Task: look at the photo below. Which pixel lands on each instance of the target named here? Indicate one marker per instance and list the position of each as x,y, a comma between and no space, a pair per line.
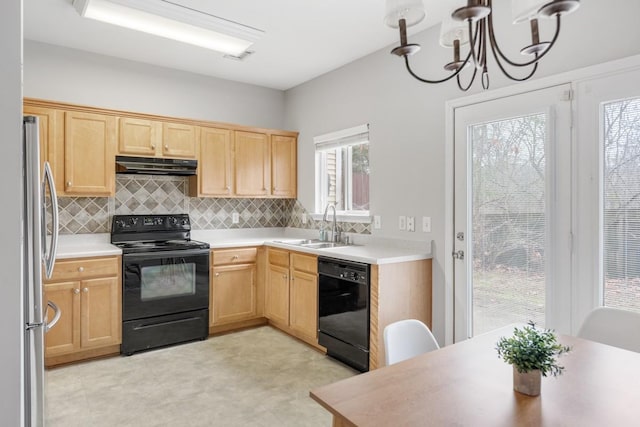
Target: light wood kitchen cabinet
252,164
51,141
178,140
139,137
151,138
237,288
215,166
277,294
89,159
283,166
303,315
233,286
292,294
88,293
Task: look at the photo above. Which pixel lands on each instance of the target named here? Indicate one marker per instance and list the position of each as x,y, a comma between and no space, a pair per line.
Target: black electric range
165,281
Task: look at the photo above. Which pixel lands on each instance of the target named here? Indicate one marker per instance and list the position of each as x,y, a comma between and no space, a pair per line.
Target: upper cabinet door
178,140
252,164
139,137
215,166
51,141
283,166
89,156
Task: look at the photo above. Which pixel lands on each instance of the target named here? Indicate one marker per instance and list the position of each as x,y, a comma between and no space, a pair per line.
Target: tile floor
256,377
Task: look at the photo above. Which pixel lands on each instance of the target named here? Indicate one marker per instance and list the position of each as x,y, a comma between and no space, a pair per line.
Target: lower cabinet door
64,337
100,315
304,304
277,294
233,293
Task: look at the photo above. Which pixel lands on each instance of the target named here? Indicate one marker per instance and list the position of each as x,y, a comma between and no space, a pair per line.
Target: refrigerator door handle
50,258
56,316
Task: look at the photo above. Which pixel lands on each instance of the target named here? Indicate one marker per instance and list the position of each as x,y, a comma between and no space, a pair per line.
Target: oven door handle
185,253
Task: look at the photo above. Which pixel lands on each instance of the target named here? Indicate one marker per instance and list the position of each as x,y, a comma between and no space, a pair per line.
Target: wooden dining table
466,384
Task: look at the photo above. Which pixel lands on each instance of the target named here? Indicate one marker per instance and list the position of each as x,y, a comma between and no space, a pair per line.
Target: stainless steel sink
312,243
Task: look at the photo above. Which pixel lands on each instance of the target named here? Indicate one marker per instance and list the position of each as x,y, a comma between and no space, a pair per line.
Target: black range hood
155,166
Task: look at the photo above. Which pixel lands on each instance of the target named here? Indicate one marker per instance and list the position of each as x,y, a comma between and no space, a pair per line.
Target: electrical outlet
402,222
304,218
426,224
235,217
410,224
377,222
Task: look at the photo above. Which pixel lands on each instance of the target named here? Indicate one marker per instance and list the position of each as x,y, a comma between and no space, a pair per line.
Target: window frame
343,139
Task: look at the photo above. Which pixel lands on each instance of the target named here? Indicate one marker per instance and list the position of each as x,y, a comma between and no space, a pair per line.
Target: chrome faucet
335,231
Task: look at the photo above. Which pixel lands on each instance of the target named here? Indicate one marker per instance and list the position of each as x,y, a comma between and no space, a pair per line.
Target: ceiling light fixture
473,24
173,21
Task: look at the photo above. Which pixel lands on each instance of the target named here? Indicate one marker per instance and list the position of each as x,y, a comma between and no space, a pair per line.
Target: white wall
11,331
62,74
407,118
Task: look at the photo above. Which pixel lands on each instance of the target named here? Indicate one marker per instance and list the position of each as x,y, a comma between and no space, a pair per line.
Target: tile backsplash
143,194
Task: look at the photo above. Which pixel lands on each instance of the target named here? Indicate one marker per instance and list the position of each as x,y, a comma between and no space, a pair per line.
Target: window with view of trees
621,140
342,171
509,222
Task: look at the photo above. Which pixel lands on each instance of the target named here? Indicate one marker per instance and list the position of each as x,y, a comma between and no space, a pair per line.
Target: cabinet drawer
279,257
82,268
304,263
234,256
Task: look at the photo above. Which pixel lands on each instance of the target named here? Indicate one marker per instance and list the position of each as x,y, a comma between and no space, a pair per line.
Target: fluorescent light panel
165,19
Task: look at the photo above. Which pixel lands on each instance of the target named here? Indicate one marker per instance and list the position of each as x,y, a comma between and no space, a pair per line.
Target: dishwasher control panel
346,270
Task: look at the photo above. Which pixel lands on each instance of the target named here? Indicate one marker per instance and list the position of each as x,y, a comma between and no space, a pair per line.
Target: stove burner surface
161,245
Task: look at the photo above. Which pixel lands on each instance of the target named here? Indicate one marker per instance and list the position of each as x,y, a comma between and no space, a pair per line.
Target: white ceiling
303,38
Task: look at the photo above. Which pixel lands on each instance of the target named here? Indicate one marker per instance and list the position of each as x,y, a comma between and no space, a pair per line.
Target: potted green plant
533,353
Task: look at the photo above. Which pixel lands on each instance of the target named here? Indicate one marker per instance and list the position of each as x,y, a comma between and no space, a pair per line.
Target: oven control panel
145,223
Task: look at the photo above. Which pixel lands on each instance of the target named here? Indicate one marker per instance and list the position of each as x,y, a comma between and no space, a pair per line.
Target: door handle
56,316
458,255
50,258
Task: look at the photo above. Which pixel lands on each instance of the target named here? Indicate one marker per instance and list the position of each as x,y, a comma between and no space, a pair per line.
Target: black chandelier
473,25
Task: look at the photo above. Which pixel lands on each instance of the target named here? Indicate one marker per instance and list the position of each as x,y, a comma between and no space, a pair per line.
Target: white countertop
85,245
367,249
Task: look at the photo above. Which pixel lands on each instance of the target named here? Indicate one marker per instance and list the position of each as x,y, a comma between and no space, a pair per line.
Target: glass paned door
512,171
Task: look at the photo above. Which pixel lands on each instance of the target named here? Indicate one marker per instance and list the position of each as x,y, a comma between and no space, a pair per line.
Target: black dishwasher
343,310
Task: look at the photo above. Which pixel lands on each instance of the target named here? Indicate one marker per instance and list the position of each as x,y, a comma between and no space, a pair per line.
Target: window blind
343,138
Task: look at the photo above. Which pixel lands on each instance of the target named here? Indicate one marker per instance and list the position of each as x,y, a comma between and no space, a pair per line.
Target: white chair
406,339
612,326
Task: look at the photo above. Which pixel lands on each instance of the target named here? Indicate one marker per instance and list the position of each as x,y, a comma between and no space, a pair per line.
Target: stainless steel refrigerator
39,252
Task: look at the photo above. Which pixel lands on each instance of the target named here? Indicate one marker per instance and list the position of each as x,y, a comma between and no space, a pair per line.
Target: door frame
570,77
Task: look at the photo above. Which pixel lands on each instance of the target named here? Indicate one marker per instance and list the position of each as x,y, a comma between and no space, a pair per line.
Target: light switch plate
304,218
235,217
377,222
402,222
426,224
410,224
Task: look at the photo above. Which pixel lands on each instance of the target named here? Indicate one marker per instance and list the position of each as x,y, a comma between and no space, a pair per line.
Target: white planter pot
528,382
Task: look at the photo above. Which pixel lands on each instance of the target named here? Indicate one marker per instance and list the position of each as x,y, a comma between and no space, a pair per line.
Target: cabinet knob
284,276
68,183
166,147
228,188
85,290
80,269
76,291
235,257
216,274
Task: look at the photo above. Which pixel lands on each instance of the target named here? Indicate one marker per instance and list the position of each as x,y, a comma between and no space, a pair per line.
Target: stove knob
133,221
173,220
185,221
120,223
